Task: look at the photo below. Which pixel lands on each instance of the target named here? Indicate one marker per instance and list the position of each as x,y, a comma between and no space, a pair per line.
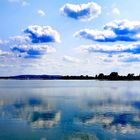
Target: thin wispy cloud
32,51
22,2
112,49
1,41
4,53
70,59
123,58
116,11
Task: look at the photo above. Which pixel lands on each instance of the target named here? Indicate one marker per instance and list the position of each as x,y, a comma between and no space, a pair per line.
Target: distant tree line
101,76
116,76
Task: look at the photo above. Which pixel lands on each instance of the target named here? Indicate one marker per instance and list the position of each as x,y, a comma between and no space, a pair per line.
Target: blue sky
69,37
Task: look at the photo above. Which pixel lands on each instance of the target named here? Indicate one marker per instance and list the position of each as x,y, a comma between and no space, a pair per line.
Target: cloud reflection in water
38,113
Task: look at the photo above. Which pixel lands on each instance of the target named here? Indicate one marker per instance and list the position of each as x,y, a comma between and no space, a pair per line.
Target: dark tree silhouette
114,75
101,76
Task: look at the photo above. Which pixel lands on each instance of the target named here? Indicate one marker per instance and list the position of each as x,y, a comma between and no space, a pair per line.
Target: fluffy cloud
41,13
70,59
32,51
33,43
118,30
83,12
96,35
114,49
42,34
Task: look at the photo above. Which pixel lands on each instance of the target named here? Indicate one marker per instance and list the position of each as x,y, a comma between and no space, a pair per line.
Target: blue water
69,110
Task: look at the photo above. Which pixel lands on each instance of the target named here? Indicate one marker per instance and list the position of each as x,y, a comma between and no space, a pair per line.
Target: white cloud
129,58
96,35
33,43
123,58
83,12
113,49
115,11
18,40
22,2
3,42
4,53
42,34
41,13
70,59
32,51
117,30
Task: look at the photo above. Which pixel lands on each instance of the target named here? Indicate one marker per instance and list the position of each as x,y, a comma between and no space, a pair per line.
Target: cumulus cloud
96,35
114,49
34,43
117,30
42,34
70,59
83,12
32,51
41,13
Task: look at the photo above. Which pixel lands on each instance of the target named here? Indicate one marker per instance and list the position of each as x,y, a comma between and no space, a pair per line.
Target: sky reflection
73,112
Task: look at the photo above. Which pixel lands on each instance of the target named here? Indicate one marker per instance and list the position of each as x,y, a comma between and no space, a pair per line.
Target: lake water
69,110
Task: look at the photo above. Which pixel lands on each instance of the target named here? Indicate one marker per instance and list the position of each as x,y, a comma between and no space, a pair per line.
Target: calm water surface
69,110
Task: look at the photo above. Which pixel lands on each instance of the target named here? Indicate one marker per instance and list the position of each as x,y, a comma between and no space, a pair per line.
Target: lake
69,110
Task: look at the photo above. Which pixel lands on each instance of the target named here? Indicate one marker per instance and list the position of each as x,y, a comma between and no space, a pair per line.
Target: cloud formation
4,53
123,57
34,43
129,58
116,11
70,59
42,34
114,49
117,30
41,13
83,12
96,35
32,51
22,2
18,40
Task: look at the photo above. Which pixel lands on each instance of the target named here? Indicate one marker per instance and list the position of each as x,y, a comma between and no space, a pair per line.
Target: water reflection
116,116
80,136
45,119
70,110
39,114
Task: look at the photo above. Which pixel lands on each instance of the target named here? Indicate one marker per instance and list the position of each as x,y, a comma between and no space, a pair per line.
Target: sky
69,37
